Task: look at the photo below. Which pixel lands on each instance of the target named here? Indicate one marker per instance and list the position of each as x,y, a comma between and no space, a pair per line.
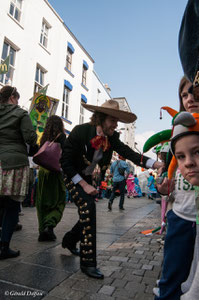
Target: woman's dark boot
6,252
47,235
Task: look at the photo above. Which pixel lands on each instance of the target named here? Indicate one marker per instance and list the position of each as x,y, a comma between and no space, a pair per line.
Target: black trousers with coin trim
85,229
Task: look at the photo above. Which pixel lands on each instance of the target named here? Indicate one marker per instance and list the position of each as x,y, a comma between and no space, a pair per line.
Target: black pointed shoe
6,252
72,248
92,272
74,251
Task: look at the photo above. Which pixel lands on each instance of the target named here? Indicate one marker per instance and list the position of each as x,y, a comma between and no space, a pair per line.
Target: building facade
43,51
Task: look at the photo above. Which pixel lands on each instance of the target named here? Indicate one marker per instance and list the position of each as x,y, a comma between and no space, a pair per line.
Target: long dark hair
54,126
6,92
98,118
182,84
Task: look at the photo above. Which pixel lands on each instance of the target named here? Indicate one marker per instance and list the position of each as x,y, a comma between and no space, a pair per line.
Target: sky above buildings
134,44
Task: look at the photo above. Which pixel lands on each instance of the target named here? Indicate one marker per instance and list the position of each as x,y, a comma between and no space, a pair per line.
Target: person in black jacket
16,133
87,145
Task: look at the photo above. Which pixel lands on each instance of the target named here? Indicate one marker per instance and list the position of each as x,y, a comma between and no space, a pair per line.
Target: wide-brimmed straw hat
111,108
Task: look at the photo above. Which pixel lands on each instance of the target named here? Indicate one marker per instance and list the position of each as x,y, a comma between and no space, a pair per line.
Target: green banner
42,107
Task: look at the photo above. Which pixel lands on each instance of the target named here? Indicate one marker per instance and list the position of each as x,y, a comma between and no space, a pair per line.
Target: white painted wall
25,37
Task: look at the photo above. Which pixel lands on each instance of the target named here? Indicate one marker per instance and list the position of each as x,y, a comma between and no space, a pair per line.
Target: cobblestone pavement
130,261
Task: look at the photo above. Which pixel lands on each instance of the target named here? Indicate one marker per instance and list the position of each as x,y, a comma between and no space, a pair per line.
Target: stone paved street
130,261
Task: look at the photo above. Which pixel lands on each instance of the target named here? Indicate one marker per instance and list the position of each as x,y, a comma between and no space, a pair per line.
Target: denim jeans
121,186
178,255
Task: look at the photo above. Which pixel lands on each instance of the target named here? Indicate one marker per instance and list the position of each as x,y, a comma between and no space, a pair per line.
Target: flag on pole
4,66
43,90
151,231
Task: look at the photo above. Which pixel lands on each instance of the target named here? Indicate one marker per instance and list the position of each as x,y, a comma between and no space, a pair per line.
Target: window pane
65,103
41,77
41,37
44,35
37,75
66,111
36,88
9,76
62,113
8,50
11,9
17,14
5,51
1,77
64,94
45,42
67,96
84,77
12,56
46,30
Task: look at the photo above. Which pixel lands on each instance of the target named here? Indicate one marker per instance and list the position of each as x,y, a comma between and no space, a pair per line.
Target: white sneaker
156,291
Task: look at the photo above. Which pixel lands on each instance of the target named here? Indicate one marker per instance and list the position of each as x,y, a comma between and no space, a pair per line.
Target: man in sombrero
87,145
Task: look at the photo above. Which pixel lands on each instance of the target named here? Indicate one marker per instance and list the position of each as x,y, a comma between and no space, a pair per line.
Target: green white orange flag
43,90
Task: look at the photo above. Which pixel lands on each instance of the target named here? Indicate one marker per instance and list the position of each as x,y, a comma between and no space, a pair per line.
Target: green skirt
50,198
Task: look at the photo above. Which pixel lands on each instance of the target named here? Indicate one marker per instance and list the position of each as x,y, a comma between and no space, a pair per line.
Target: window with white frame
65,102
8,50
84,73
39,79
15,9
81,115
69,59
44,33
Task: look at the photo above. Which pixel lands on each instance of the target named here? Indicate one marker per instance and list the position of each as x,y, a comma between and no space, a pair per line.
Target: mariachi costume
80,154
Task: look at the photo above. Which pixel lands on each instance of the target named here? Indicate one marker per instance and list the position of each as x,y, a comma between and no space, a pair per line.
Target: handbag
49,156
121,171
